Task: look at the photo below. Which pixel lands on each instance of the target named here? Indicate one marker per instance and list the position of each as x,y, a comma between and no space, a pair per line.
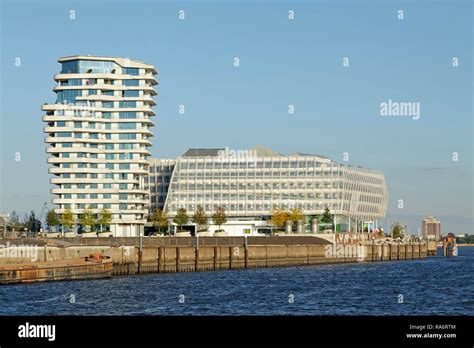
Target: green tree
67,219
181,218
87,219
52,219
200,219
31,223
396,232
219,217
279,217
159,219
104,220
327,217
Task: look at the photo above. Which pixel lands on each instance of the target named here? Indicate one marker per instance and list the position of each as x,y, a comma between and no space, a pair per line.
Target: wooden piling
215,258
196,259
160,252
177,259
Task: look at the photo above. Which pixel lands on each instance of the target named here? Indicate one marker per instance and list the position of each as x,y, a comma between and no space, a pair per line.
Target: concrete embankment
184,254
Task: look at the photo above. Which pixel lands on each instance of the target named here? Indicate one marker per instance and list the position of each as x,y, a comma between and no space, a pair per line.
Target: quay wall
185,254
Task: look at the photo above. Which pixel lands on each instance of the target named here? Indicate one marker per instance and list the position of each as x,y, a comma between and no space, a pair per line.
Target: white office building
250,184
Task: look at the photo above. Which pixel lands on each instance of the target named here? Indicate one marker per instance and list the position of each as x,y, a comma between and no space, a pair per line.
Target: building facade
250,184
98,132
431,229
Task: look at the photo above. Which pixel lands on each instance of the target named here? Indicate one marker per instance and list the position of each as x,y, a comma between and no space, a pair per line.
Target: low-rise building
250,184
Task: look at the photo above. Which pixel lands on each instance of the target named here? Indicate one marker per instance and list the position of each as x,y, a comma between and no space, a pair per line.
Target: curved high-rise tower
98,133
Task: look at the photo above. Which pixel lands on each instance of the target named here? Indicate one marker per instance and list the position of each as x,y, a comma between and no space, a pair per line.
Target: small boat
91,267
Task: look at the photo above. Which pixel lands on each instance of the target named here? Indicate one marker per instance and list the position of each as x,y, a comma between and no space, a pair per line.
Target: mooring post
160,253
373,249
196,254
140,251
177,258
215,258
398,250
246,252
230,257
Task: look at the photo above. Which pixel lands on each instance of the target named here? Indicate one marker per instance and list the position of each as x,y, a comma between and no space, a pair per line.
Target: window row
266,197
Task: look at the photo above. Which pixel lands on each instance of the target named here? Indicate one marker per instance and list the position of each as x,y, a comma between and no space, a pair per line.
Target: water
433,286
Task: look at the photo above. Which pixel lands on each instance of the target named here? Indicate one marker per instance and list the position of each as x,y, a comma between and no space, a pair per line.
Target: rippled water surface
433,286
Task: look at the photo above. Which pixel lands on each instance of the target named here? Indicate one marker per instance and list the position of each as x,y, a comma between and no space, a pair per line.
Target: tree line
160,219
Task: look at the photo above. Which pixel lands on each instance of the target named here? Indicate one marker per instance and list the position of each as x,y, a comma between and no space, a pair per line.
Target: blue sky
282,62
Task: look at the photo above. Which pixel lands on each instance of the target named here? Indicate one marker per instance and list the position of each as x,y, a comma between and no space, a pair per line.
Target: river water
432,286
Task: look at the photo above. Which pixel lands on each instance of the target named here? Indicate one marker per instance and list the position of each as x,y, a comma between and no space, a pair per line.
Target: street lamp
7,217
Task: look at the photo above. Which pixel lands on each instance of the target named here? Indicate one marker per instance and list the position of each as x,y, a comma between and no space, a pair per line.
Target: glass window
131,82
108,105
127,126
87,66
128,114
68,96
130,93
131,71
128,104
126,146
60,124
74,82
126,136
